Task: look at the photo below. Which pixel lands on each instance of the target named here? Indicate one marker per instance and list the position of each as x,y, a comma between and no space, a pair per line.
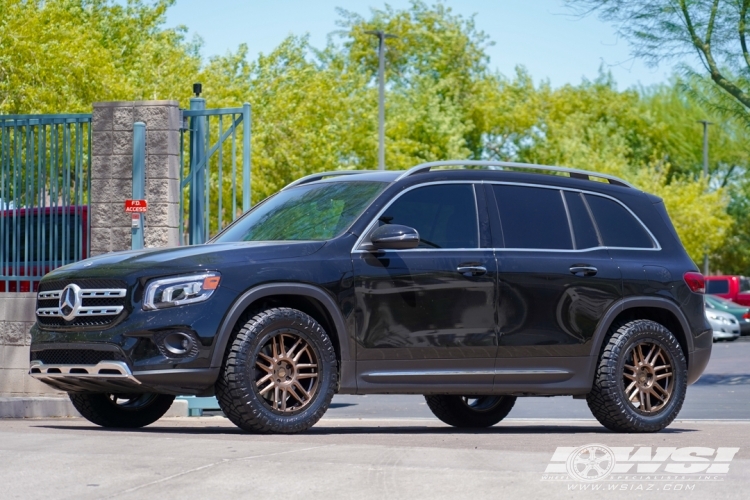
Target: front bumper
721,335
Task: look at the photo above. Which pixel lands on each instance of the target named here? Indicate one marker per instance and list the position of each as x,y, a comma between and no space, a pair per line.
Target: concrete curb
60,408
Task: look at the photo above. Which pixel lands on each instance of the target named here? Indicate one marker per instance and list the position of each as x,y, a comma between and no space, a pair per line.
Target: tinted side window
617,226
533,217
444,215
717,286
583,227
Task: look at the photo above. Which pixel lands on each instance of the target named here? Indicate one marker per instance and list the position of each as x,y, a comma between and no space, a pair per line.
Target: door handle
473,270
585,270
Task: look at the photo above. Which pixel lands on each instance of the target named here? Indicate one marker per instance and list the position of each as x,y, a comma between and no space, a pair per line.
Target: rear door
555,278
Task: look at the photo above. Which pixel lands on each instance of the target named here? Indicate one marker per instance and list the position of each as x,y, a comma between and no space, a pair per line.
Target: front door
427,315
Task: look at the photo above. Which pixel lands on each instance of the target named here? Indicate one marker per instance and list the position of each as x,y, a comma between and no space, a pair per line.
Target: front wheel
279,374
641,379
470,411
126,411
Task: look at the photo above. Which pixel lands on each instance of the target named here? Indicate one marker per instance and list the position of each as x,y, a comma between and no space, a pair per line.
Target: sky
542,35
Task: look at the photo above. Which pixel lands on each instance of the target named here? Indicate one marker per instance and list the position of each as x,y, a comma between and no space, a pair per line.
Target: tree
595,127
62,55
714,31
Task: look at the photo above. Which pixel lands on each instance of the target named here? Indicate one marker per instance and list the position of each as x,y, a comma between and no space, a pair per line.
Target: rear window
744,285
533,218
717,286
617,226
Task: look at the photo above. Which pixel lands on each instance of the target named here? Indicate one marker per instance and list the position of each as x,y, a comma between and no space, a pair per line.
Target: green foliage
62,55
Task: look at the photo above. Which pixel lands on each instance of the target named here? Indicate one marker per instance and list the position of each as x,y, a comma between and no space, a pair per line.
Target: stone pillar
112,173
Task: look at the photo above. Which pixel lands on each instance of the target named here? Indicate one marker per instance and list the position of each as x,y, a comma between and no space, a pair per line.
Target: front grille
74,356
48,286
102,320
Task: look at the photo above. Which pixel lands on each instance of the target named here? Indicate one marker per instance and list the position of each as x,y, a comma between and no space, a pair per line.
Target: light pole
705,123
382,35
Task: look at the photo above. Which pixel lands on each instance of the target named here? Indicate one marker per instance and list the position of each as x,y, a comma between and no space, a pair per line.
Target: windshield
312,212
721,302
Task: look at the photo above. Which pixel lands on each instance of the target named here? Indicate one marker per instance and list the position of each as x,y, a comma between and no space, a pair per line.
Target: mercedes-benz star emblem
70,302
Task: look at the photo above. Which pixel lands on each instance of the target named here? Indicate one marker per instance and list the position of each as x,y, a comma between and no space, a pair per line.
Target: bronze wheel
641,378
287,374
279,374
648,377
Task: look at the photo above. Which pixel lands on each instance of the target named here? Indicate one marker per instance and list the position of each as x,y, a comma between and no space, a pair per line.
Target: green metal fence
215,169
45,177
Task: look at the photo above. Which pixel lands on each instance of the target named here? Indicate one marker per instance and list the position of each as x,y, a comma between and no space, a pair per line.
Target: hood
197,257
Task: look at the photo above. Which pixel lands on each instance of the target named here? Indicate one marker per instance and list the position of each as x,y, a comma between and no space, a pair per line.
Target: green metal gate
45,177
215,169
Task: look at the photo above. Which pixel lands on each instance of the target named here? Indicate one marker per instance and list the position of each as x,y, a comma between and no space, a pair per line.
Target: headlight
716,317
179,291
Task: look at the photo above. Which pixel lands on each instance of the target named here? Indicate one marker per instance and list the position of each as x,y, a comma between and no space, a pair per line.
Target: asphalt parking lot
391,447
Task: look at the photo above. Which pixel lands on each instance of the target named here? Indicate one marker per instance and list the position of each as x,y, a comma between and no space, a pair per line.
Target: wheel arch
657,309
309,299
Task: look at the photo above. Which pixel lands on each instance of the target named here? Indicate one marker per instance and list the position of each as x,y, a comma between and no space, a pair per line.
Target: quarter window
533,217
444,215
617,226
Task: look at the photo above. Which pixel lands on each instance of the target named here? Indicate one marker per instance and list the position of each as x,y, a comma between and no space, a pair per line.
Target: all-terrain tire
608,400
135,410
472,411
237,388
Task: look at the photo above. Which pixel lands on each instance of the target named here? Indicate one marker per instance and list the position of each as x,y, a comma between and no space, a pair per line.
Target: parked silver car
725,325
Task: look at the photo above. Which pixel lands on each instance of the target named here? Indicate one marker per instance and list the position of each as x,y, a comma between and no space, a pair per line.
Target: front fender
347,378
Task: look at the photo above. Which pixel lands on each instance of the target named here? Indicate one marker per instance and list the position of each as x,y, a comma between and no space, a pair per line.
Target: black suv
472,286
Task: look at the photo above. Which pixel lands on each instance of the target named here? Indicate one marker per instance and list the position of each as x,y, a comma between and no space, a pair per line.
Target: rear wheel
641,379
470,411
121,410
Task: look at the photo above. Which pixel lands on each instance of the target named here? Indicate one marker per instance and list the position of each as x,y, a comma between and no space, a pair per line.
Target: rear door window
533,218
617,226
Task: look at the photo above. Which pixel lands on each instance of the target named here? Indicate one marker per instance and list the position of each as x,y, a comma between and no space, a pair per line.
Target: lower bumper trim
103,376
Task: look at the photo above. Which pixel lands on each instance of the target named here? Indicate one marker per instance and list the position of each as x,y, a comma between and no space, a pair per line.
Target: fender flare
630,303
300,289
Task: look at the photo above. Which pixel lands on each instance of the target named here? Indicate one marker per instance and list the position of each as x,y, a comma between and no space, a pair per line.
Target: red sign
136,205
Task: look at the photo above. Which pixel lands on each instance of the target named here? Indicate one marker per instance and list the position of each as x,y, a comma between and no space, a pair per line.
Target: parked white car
724,325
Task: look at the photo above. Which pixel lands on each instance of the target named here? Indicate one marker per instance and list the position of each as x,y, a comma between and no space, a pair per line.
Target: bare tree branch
742,27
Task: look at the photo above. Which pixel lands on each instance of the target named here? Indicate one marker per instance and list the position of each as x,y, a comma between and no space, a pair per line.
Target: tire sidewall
660,337
245,371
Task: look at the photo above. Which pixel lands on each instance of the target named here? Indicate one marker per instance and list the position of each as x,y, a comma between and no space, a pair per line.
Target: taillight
746,316
695,282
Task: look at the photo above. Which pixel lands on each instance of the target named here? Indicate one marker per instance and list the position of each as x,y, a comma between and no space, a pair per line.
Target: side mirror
394,237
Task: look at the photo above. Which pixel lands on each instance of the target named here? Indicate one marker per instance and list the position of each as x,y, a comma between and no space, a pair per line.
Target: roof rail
572,172
323,175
